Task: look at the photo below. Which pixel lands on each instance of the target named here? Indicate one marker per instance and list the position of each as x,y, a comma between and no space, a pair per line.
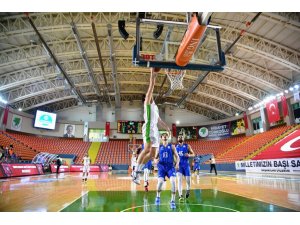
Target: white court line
215,206
82,194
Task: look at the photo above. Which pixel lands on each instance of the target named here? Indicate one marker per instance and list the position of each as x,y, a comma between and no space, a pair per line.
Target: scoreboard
130,127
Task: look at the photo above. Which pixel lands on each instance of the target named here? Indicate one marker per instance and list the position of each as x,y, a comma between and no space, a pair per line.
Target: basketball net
175,77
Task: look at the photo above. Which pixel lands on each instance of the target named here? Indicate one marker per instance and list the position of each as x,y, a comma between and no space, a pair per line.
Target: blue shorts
166,170
148,165
196,167
184,170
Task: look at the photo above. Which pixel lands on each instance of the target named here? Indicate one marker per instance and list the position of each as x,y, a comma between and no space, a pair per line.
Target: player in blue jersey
184,151
197,164
165,155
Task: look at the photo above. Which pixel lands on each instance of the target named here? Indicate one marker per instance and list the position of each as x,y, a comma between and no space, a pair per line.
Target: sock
159,185
179,180
188,182
173,188
146,174
173,195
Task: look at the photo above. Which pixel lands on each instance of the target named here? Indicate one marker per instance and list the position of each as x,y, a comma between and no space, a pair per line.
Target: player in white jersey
150,129
86,167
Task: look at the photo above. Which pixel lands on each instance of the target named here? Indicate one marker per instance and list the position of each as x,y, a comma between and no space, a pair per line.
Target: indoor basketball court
73,88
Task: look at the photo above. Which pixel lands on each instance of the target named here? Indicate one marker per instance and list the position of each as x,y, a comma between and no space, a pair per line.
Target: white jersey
154,114
86,161
150,129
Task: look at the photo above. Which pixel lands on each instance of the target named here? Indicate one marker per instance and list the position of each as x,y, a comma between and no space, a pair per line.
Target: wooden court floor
114,192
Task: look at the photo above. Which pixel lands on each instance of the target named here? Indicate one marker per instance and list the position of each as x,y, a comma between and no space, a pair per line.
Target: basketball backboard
157,43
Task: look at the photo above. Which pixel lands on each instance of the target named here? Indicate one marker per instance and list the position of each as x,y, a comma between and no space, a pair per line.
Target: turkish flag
245,120
284,106
288,147
174,130
107,128
273,111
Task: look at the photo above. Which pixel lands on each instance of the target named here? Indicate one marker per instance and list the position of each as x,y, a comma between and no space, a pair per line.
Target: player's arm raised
176,156
164,125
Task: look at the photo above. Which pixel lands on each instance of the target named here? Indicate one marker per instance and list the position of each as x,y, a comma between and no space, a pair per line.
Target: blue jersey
166,154
197,160
182,150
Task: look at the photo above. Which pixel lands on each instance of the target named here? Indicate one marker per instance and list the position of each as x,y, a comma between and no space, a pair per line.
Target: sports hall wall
97,116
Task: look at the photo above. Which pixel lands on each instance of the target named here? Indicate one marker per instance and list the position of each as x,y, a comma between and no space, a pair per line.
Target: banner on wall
273,111
246,120
237,127
174,132
188,133
107,129
284,106
5,116
69,131
16,122
278,166
97,135
86,131
217,131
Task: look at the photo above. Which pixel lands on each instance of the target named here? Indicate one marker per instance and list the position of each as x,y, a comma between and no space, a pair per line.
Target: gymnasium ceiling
263,62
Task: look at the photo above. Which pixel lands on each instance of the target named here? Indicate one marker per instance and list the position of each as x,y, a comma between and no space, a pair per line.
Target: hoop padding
175,78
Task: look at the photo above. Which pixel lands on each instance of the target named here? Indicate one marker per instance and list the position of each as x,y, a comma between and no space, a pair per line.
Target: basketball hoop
176,77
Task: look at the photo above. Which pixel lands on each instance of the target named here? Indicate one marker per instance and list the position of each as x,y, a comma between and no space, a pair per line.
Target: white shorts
86,169
154,136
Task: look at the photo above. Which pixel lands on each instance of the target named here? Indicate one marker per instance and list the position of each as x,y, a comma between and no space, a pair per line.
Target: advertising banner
217,131
237,127
278,166
78,168
188,133
104,168
15,170
16,122
62,168
1,173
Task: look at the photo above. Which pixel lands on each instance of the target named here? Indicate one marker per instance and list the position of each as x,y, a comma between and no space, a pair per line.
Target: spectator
13,158
6,154
2,152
